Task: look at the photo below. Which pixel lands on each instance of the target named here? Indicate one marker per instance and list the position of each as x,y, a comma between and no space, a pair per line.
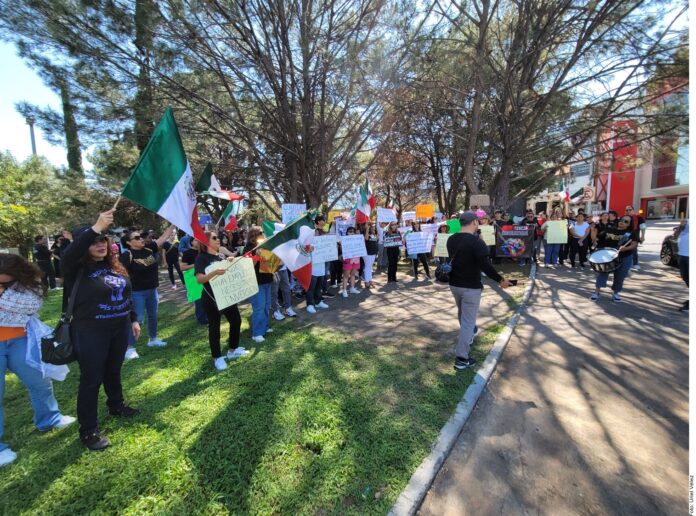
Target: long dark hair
202,248
111,260
27,275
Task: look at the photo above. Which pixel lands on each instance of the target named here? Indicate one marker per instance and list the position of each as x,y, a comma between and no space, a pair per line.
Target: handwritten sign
425,211
325,248
353,246
441,245
386,215
438,215
333,214
556,232
417,243
429,228
480,200
488,234
194,290
408,215
392,240
237,284
343,225
291,211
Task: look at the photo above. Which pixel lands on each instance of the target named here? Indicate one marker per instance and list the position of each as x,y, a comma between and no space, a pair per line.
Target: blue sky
22,83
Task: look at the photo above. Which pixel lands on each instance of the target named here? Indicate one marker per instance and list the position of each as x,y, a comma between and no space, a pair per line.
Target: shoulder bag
58,349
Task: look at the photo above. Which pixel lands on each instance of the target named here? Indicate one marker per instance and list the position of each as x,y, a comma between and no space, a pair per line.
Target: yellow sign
237,284
425,211
556,232
488,234
333,214
441,244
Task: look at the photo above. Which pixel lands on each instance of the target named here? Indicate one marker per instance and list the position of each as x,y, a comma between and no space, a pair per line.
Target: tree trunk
143,109
72,137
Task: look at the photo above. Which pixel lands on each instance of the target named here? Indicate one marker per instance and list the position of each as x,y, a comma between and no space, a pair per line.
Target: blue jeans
13,354
260,310
145,300
551,252
620,275
200,312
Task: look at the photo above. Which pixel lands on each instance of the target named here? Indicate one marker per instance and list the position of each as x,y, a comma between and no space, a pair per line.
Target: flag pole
118,200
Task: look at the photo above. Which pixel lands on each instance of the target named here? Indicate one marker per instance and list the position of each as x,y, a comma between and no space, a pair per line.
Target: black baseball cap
467,217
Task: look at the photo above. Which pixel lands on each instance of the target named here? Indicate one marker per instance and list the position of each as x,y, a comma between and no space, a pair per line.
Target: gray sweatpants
281,281
468,301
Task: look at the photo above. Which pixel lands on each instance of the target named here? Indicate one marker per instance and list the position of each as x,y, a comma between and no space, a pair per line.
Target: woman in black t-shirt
208,256
625,240
171,256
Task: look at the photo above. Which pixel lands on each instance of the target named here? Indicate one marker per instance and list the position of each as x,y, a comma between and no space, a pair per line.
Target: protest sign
417,243
429,228
408,215
343,225
488,234
392,240
194,290
386,215
556,232
425,211
291,211
333,214
441,245
324,249
480,200
454,226
353,246
514,241
237,284
438,215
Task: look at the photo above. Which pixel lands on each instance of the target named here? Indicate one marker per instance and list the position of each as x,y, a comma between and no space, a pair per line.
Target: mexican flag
230,220
565,195
293,246
209,185
365,204
162,182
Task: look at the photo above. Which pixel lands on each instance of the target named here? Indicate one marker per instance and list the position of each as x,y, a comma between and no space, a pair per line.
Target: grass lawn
313,421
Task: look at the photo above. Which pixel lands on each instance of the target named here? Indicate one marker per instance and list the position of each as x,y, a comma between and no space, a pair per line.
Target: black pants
422,258
491,253
48,278
392,261
684,271
170,268
56,267
100,346
575,249
336,272
314,296
214,315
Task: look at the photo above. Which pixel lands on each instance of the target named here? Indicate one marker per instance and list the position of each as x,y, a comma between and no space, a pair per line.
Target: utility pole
30,122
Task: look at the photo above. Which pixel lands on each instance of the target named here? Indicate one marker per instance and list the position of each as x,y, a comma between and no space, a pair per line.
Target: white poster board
343,225
386,215
429,228
441,245
237,284
417,243
488,234
291,211
408,215
353,246
324,248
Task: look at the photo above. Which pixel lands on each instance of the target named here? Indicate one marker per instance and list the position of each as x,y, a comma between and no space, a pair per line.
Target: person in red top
637,224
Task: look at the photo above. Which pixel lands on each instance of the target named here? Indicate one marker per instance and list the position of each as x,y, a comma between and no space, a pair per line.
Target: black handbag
58,349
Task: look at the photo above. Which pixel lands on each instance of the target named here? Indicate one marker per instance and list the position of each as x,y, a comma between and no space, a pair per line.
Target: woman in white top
579,241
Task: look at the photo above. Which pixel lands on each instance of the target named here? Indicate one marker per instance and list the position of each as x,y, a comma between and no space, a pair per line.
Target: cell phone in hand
513,282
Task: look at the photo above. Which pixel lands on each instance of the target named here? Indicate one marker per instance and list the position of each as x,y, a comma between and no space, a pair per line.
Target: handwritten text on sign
386,215
417,243
488,234
325,249
353,246
556,232
392,240
291,211
237,284
441,245
425,211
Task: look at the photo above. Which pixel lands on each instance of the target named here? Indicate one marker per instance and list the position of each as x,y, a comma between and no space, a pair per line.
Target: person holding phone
468,257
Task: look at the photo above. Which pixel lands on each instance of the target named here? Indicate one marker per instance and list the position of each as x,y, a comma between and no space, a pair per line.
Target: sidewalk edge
411,498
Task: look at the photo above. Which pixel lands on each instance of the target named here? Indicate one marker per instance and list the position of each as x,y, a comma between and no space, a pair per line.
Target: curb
411,498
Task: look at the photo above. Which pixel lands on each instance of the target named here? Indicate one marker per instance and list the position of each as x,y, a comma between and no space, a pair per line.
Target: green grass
311,422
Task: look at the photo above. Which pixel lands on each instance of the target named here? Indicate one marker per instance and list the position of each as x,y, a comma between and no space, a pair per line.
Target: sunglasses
136,237
214,238
625,221
6,284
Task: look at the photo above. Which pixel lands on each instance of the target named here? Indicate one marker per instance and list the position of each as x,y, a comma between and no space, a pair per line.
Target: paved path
587,412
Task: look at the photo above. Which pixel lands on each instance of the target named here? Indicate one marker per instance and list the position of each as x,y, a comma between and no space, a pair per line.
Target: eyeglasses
136,237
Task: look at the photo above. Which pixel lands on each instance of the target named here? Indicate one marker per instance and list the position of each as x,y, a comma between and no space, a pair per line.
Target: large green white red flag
229,218
162,182
293,245
209,185
365,204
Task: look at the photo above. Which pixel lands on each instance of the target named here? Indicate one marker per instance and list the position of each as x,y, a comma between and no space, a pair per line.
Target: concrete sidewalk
587,412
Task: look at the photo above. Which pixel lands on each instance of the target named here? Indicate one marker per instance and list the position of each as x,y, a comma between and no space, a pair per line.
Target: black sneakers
463,363
124,411
328,295
95,441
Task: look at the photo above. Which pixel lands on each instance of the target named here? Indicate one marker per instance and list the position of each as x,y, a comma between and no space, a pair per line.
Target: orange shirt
7,333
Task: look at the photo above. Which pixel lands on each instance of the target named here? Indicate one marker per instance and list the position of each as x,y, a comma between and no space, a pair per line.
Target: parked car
670,249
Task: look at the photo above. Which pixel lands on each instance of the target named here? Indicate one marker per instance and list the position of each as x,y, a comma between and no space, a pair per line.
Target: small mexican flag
229,218
209,185
162,182
365,204
293,246
564,194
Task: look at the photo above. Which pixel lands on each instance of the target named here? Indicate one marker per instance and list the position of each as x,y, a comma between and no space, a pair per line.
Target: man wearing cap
469,257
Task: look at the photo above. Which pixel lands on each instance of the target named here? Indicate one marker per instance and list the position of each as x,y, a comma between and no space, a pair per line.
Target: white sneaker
354,291
311,309
131,354
343,293
636,267
237,353
220,364
322,305
7,456
269,330
616,297
64,422
290,312
278,316
173,287
156,343
258,338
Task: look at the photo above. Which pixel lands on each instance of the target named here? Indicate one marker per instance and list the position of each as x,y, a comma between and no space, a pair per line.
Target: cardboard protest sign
514,241
417,243
386,215
291,211
343,225
556,232
488,234
324,248
454,226
237,284
429,228
441,245
333,214
353,246
438,215
392,240
194,290
425,211
408,215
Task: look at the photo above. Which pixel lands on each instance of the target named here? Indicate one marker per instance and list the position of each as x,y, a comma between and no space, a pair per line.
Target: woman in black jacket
103,320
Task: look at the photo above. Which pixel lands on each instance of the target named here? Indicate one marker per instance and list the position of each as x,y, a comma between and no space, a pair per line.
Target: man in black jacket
42,257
